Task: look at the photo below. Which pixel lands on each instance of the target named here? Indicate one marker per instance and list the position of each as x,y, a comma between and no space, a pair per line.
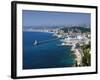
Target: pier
35,42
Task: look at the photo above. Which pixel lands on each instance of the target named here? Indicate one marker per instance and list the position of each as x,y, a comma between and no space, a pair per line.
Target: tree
86,59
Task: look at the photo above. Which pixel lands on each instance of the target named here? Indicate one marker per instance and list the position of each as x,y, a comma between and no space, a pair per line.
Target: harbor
68,39
54,39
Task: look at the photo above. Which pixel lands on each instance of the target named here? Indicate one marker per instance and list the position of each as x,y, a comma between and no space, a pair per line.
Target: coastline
78,58
37,31
56,56
77,53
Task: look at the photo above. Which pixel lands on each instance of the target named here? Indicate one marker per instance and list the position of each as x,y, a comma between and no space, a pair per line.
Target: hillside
76,29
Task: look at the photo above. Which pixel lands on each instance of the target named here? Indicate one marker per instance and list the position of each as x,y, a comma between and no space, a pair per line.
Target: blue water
46,55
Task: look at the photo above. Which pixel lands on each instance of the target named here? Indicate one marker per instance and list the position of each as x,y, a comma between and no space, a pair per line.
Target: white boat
63,44
59,36
35,42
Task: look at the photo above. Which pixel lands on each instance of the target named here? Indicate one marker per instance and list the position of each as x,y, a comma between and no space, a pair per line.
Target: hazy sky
40,18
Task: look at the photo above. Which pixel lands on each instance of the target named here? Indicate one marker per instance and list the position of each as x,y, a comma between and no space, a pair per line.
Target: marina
68,40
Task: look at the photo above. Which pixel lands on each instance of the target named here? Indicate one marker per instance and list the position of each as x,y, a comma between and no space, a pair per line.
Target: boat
35,42
59,36
65,44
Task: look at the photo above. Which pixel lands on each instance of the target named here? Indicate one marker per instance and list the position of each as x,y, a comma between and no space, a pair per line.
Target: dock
36,42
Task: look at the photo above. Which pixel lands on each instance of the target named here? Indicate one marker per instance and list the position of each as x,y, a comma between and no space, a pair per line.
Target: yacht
35,42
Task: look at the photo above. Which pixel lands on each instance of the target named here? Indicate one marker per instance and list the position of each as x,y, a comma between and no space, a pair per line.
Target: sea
47,54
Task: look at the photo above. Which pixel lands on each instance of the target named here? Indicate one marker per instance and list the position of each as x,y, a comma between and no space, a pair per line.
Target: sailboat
35,42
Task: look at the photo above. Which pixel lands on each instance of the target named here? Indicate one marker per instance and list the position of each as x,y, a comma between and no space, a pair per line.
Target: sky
48,18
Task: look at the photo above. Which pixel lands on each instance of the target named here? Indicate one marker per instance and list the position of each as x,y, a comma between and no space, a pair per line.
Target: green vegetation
74,56
76,29
86,59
